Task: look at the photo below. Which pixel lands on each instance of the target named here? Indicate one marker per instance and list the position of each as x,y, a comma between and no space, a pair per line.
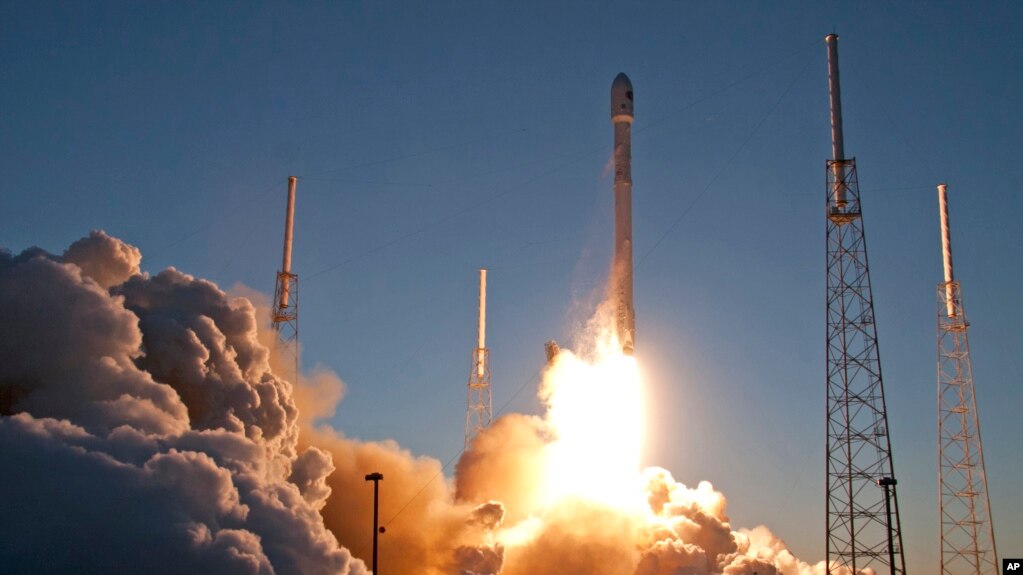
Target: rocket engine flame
597,511
595,412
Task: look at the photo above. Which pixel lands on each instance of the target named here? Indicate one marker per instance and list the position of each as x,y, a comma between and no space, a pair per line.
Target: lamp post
375,478
889,483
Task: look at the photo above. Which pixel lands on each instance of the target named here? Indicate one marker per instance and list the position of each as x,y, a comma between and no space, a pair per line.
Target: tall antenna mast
480,409
967,531
285,307
862,506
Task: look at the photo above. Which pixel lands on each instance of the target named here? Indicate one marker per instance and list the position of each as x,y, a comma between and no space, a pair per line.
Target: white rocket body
621,269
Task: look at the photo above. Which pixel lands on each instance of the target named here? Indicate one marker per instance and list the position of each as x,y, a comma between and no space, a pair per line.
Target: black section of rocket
621,269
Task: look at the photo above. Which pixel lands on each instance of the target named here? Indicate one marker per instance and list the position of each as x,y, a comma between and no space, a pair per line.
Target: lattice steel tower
967,531
480,408
862,509
285,307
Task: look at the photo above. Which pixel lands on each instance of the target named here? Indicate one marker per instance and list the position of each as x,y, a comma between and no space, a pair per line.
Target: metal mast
480,408
862,506
967,531
285,306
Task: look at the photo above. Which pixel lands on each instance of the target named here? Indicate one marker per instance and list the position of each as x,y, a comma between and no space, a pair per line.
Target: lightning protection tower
862,508
285,304
967,532
480,408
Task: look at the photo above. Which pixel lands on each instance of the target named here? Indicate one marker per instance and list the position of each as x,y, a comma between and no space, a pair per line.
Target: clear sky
434,138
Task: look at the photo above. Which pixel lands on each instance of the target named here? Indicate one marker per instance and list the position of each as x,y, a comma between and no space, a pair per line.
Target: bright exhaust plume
595,413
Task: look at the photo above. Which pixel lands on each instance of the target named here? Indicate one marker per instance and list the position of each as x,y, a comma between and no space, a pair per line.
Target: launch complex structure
967,530
862,504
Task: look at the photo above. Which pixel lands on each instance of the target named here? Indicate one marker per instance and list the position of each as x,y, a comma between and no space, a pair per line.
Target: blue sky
434,138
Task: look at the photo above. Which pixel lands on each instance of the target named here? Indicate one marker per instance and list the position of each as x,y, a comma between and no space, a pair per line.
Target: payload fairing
621,269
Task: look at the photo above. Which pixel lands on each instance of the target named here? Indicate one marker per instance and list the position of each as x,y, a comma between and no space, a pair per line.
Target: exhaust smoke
144,428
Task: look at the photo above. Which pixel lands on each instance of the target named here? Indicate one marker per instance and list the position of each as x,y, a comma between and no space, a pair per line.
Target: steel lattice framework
285,315
859,461
967,532
480,408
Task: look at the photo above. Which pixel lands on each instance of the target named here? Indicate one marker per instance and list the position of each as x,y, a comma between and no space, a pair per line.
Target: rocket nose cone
621,98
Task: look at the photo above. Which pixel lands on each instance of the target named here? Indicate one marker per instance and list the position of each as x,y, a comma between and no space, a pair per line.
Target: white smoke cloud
143,430
105,260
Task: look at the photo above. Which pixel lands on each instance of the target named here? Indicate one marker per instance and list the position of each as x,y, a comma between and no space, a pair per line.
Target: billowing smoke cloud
427,532
504,465
143,430
148,424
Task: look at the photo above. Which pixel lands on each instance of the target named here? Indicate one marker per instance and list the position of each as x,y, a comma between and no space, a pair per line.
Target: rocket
621,268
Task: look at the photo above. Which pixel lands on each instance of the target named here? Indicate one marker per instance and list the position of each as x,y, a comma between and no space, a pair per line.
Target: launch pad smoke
144,429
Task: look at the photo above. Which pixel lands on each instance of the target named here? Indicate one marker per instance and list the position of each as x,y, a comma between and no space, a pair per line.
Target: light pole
889,483
375,478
